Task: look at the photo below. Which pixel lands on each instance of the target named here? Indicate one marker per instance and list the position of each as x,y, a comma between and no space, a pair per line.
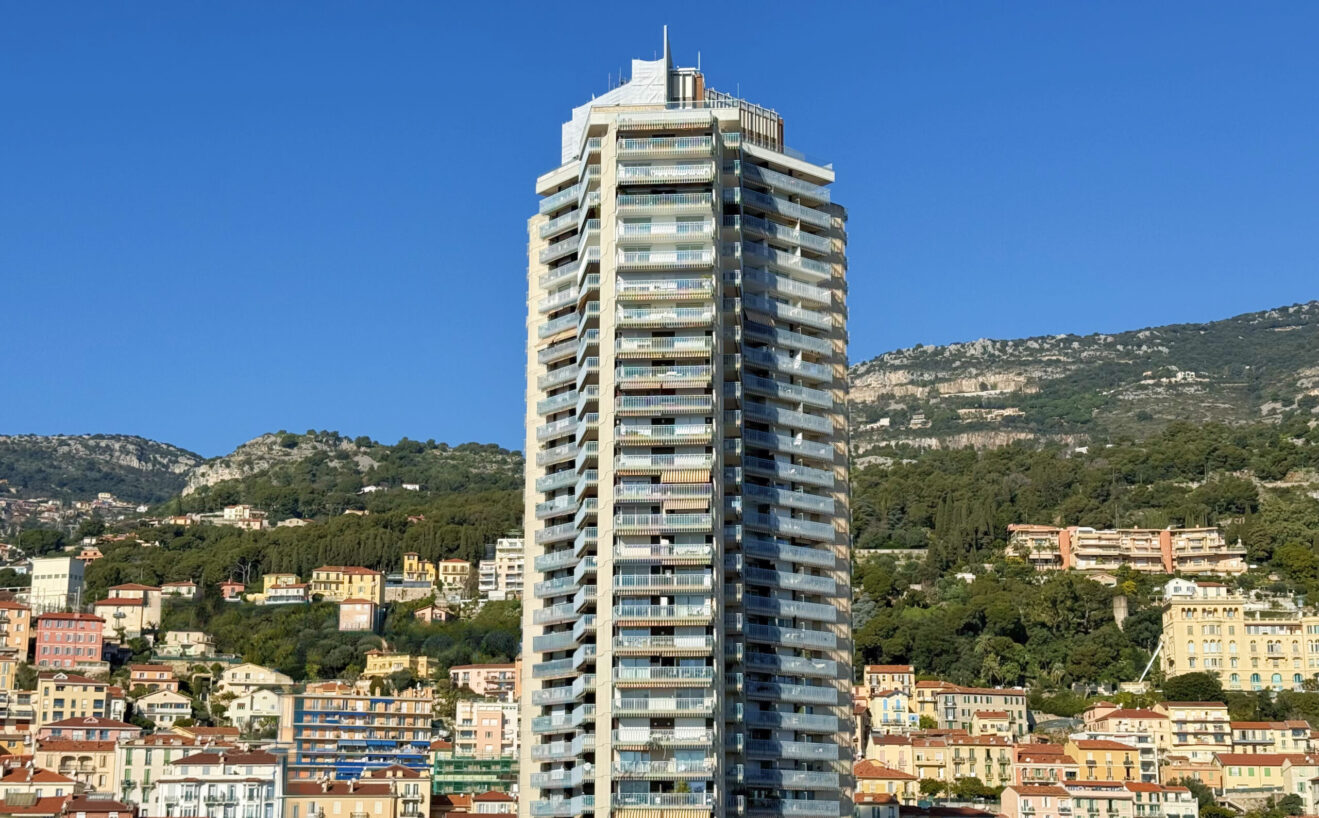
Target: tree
25,677
1200,790
1193,687
927,723
931,787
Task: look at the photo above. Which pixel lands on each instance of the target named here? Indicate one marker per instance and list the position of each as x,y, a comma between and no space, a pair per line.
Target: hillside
1079,389
134,469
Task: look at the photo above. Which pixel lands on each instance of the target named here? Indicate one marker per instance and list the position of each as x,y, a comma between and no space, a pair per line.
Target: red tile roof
1102,744
93,721
493,795
339,788
1039,789
133,586
868,769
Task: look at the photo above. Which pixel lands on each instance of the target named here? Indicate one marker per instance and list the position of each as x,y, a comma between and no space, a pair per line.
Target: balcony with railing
625,583
673,230
789,526
665,317
677,173
786,552
663,289
663,676
791,637
788,471
801,750
786,338
792,693
804,722
666,768
663,613
784,183
673,376
645,737
665,202
648,462
763,280
665,259
664,801
637,405
794,807
780,607
663,645
662,705
780,416
676,553
817,503
666,146
778,205
778,232
561,324
646,347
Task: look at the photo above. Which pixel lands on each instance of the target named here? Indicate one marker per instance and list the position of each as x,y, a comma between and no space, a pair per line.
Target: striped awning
685,476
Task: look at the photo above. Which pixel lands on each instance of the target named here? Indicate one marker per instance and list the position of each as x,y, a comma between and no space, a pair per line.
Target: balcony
563,807
665,146
554,587
783,390
664,289
647,347
657,614
802,750
568,221
791,779
664,317
669,231
556,403
643,463
666,174
789,444
556,454
552,642
667,801
798,694
664,377
792,637
557,200
664,645
787,364
556,326
789,526
661,523
556,668
785,286
784,338
556,533
665,259
783,470
801,555
643,405
693,553
817,503
779,232
663,676
782,182
802,807
555,614
787,312
662,582
788,417
668,768
774,204
792,665
665,202
645,737
804,722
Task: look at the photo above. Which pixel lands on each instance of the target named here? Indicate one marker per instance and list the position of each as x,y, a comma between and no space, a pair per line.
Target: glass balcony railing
557,428
786,338
801,555
791,779
554,587
791,637
786,364
783,390
775,204
557,454
775,606
788,417
664,376
551,642
763,280
556,533
666,230
785,183
796,694
556,403
563,807
557,667
558,325
789,526
561,505
555,352
789,499
803,750
779,232
790,262
795,807
789,444
789,471
567,221
629,582
805,722
787,312
555,561
558,480
563,612
787,580
666,434
557,200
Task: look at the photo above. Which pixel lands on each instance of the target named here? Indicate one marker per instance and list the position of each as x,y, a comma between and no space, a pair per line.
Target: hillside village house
879,678
63,696
382,663
1153,551
1043,764
338,583
89,763
69,640
874,778
152,678
184,589
164,707
498,680
248,783
251,708
953,706
15,626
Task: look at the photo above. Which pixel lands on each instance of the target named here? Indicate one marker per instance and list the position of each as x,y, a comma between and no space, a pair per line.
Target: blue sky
218,220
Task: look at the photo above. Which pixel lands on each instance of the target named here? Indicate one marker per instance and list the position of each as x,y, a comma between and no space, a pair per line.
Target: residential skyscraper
687,627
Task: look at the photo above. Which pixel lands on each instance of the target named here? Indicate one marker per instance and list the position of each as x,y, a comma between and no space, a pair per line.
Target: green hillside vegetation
1014,626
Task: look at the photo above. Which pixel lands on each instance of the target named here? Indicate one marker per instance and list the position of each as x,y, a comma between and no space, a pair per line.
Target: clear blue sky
221,219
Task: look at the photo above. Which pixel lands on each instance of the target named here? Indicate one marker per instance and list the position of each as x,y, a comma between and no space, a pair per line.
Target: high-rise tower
687,627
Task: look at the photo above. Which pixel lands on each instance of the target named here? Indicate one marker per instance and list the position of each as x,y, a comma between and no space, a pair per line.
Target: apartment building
948,757
873,778
688,628
451,773
56,584
485,728
1250,641
1042,764
1153,551
1197,730
383,663
390,792
500,680
1148,751
337,583
15,627
1104,759
152,677
954,707
344,732
247,677
502,572
879,678
63,695
1271,736
221,782
892,711
69,640
140,764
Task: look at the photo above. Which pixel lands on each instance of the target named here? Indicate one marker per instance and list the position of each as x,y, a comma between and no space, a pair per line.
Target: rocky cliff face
268,451
134,469
1074,389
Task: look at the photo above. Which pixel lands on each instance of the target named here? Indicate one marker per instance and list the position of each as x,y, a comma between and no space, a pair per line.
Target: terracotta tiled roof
1129,713
226,757
868,769
1102,744
888,669
133,586
337,788
93,721
1039,789
493,795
